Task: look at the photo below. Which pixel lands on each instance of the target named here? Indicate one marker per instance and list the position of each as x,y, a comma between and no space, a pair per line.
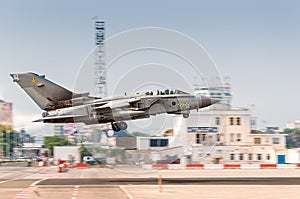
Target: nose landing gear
185,115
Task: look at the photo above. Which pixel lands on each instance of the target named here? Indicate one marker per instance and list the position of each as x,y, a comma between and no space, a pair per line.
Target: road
46,182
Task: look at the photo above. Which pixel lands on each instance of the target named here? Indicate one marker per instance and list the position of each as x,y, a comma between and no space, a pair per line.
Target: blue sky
256,43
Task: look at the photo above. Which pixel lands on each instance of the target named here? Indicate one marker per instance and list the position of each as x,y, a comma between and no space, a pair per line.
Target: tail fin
46,94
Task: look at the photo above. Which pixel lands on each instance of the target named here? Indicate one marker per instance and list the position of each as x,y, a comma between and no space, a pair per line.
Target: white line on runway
129,196
25,192
23,176
29,189
75,192
38,181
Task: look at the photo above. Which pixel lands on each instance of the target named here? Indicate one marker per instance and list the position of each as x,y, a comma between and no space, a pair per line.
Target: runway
46,182
173,181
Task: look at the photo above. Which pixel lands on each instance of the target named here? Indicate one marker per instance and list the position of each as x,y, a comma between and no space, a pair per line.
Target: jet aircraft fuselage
63,106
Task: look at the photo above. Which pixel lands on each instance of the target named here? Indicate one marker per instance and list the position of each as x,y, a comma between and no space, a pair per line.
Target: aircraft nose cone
206,101
213,101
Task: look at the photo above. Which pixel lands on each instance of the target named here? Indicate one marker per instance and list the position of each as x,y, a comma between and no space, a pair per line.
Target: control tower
221,93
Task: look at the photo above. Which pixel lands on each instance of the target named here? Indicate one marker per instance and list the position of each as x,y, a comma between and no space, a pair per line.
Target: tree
293,138
84,151
8,140
51,141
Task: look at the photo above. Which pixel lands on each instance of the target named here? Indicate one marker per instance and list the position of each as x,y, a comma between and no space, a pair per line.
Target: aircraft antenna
100,67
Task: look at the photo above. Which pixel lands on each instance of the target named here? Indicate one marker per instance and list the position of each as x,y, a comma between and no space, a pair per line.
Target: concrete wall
293,156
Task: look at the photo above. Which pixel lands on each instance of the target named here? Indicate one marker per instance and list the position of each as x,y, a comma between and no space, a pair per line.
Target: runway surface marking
23,194
32,188
129,196
23,174
75,192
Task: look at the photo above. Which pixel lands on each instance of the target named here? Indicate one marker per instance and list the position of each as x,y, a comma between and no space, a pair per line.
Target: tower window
258,156
198,138
241,156
275,140
238,121
249,156
232,156
257,141
218,121
231,121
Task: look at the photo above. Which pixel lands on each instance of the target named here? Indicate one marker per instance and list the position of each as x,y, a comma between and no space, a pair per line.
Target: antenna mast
100,69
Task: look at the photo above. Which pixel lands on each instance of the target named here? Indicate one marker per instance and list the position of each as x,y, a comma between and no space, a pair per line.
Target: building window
238,121
249,156
258,156
257,141
164,142
238,137
275,140
159,142
231,137
268,157
231,121
218,121
198,138
232,156
241,156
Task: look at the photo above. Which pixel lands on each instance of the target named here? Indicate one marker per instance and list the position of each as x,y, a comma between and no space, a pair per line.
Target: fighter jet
61,105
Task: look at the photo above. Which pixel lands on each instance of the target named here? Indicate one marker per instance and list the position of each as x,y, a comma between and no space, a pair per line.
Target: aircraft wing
115,104
59,117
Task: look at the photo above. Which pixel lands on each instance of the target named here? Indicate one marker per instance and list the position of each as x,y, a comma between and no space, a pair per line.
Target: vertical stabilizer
43,92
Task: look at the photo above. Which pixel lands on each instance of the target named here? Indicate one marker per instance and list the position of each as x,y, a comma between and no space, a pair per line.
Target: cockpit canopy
166,92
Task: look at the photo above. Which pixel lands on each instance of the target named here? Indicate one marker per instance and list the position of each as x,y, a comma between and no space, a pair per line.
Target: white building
293,156
294,125
220,133
159,148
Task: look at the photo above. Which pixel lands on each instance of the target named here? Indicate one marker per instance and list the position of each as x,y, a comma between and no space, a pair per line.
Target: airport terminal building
222,134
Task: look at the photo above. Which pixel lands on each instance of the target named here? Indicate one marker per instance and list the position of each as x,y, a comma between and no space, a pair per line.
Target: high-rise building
294,125
58,129
6,114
